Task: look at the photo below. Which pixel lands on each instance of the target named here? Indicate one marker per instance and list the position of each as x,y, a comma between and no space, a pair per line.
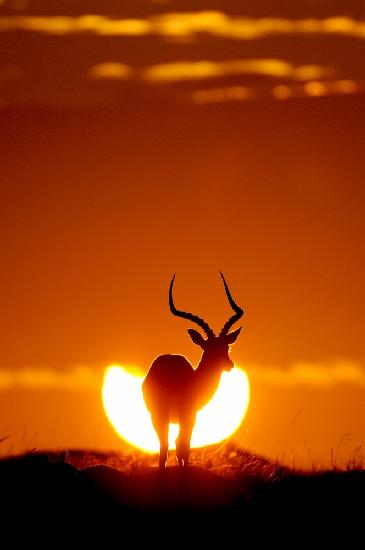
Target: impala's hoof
182,462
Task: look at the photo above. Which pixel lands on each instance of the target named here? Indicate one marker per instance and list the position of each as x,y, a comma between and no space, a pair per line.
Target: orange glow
315,88
126,411
110,70
216,95
282,92
346,86
142,140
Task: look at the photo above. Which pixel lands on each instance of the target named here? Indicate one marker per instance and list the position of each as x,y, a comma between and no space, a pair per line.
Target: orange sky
119,168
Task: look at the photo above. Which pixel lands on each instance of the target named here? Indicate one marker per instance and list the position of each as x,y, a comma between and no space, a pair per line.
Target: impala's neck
207,376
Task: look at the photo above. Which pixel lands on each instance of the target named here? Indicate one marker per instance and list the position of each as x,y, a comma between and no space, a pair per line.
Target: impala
174,391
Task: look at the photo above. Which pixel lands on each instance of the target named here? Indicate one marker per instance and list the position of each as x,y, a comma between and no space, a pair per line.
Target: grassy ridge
226,491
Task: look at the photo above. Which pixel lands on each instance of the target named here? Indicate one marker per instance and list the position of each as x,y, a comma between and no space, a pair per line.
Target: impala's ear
232,336
196,337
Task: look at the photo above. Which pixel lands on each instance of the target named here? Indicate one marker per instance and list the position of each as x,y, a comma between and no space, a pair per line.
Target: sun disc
126,411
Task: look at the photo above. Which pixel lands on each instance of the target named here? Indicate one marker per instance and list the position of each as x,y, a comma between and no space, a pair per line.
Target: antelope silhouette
174,391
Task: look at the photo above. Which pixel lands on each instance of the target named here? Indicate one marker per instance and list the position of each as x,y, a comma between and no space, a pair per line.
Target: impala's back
168,388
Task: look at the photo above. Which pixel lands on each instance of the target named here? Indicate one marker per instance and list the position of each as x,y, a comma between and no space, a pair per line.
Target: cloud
79,379
86,379
196,70
186,25
312,88
110,70
310,374
223,94
204,69
220,24
63,25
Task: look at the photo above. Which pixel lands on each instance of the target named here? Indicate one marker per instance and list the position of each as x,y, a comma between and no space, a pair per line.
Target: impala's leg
183,441
179,457
162,429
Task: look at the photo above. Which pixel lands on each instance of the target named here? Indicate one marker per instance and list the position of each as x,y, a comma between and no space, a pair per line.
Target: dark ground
53,497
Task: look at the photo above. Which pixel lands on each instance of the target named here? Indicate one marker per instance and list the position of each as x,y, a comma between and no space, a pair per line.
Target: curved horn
202,324
238,311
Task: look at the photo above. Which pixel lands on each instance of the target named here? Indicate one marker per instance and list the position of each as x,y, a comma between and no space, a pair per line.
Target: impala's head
215,348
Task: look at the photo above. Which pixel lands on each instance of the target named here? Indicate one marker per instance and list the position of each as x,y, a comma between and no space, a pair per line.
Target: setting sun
126,411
